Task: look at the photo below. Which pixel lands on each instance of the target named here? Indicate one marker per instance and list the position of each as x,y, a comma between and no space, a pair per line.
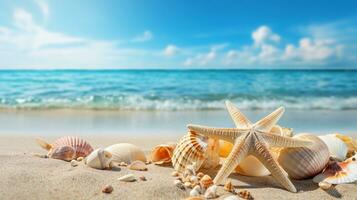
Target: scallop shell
138,165
125,152
162,154
99,159
338,149
304,162
351,144
206,181
197,151
67,148
339,172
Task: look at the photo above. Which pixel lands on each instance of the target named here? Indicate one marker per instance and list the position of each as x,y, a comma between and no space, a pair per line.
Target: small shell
324,185
229,186
232,197
206,181
187,185
179,184
107,189
245,194
194,179
123,164
99,159
74,163
304,162
162,154
138,165
338,149
67,148
196,150
125,152
175,174
127,178
194,193
143,178
351,144
79,159
211,192
200,175
339,172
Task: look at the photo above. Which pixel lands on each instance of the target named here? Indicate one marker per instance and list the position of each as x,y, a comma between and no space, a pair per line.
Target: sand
24,176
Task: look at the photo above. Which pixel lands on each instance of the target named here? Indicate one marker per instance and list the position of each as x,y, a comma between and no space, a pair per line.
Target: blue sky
177,34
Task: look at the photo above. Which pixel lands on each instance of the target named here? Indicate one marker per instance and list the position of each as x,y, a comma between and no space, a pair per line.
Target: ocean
178,90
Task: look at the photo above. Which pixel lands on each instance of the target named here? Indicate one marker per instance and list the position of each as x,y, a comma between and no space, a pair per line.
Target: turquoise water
178,89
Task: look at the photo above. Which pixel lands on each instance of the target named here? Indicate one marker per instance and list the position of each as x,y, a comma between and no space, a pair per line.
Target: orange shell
206,181
162,154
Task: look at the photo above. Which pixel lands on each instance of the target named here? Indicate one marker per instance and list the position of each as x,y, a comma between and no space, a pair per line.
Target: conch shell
351,144
339,172
66,148
99,159
251,166
304,162
125,152
162,154
338,149
197,151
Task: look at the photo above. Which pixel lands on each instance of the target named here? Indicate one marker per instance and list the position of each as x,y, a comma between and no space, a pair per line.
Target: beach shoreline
25,176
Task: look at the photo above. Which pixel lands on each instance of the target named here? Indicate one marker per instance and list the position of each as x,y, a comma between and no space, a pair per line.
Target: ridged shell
339,172
338,149
303,162
162,154
125,152
99,159
61,151
193,150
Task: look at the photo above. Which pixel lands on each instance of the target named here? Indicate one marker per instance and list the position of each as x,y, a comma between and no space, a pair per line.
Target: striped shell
304,162
339,172
197,151
69,147
125,152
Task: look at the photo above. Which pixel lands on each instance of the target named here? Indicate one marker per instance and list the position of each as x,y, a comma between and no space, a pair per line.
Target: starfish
251,139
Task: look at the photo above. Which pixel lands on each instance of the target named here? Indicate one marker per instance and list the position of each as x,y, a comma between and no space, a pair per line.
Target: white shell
127,178
304,162
338,149
99,159
211,192
194,193
125,152
251,166
138,165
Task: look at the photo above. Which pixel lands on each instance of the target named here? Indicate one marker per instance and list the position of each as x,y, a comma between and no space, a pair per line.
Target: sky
178,34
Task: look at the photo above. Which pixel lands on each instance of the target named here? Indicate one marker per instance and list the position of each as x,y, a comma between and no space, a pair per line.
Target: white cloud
264,35
144,37
43,5
202,59
171,50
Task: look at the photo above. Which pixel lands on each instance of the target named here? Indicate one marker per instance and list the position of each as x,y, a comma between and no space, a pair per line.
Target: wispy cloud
43,5
171,50
144,37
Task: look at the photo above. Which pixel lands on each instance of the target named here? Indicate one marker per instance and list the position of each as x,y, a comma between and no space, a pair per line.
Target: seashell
107,189
79,159
189,170
283,131
74,163
304,162
125,152
324,185
194,192
229,186
211,192
339,172
179,184
127,178
123,164
138,165
99,159
66,148
200,175
162,154
194,179
143,178
196,150
351,144
175,174
245,194
338,149
206,181
232,197
187,185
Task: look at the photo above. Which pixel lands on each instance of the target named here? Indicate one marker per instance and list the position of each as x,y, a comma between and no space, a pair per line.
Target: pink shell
82,148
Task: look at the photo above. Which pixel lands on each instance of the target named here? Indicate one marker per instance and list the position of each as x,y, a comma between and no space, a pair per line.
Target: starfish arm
282,141
228,134
238,117
238,153
261,152
268,122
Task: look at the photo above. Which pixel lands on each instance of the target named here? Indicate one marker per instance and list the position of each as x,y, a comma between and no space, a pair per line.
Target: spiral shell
193,150
125,152
99,159
162,154
338,149
304,162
